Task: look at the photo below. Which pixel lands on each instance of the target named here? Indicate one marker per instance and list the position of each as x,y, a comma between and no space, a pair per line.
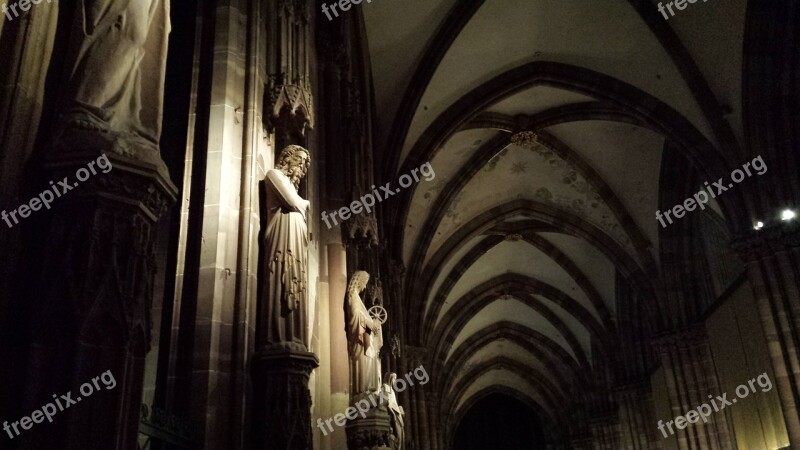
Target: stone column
412,420
91,304
772,257
281,371
340,363
27,49
582,442
636,416
416,414
282,365
691,378
435,421
605,432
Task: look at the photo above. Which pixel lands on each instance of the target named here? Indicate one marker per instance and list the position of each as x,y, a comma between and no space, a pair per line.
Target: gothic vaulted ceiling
514,251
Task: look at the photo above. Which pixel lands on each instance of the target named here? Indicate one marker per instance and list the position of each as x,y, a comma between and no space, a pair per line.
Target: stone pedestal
92,281
373,432
282,401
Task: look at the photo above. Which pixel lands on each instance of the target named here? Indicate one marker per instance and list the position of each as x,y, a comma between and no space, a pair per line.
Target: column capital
693,335
604,419
633,387
415,356
768,241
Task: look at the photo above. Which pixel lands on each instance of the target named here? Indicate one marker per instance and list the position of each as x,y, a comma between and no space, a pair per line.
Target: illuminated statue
286,250
364,339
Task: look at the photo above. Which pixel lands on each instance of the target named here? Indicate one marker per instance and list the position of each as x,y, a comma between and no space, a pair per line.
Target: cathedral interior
400,224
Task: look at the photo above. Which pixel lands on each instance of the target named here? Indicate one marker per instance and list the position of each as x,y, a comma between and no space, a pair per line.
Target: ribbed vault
524,261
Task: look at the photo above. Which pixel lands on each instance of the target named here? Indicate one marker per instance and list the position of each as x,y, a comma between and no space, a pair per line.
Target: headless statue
117,63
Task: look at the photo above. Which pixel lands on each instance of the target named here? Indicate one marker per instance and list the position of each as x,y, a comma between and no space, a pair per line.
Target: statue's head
293,162
390,378
359,281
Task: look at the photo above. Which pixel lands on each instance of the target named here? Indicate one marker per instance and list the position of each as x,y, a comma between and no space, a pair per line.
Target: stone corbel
361,230
291,105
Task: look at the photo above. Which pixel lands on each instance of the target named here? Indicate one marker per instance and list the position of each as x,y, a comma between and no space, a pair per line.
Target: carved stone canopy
294,99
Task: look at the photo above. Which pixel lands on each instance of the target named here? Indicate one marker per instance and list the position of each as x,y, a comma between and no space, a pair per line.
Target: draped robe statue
286,249
396,411
117,62
364,339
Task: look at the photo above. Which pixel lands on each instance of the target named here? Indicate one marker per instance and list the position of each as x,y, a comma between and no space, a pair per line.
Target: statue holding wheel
364,337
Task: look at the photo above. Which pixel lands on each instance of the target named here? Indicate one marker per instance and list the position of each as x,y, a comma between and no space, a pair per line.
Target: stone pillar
435,421
417,412
772,256
281,371
605,432
340,363
691,378
412,420
582,442
91,304
27,49
636,416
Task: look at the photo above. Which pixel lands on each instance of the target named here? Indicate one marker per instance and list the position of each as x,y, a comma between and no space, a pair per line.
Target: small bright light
759,225
787,214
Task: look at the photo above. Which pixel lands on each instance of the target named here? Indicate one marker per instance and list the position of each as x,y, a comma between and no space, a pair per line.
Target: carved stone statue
117,63
285,250
396,411
364,339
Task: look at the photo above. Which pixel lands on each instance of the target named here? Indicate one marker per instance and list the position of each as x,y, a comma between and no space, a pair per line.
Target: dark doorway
499,422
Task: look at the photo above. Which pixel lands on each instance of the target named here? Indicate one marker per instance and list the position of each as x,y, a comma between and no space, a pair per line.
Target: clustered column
772,256
636,416
605,432
283,363
90,264
691,378
93,305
